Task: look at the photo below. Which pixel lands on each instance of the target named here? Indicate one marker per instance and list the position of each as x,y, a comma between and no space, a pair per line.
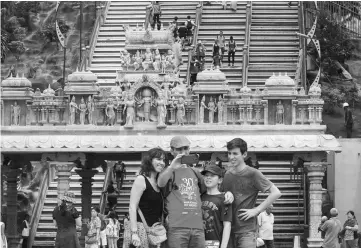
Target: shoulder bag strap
143,220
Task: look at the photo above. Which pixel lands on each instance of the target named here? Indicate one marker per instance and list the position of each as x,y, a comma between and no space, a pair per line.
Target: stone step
278,38
274,43
273,59
278,16
274,54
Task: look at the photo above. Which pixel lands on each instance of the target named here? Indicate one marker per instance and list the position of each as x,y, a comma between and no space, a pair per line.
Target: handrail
199,12
103,198
38,208
303,46
245,63
101,15
298,75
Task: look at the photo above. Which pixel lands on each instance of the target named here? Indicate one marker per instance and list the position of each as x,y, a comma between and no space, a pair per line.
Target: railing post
303,47
245,62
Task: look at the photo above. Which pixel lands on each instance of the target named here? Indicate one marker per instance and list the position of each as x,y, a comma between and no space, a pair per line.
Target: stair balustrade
101,15
199,11
246,44
303,47
103,197
38,207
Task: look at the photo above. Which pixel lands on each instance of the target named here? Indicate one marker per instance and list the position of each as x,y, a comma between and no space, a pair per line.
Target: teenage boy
183,186
245,183
217,216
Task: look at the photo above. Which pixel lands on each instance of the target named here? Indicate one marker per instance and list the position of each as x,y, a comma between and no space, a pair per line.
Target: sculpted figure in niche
157,61
126,59
201,110
163,64
137,60
15,114
166,91
161,104
72,110
280,113
147,103
91,109
180,89
170,59
180,111
220,107
109,112
211,109
148,59
83,109
116,90
129,107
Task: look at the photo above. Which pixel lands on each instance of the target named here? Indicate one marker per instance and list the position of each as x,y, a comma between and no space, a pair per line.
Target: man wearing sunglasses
183,202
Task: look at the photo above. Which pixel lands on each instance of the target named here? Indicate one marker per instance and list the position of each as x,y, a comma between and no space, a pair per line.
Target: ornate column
294,116
265,111
119,115
12,234
86,199
63,171
2,112
315,174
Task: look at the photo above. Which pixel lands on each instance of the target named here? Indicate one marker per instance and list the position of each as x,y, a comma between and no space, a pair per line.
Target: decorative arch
145,81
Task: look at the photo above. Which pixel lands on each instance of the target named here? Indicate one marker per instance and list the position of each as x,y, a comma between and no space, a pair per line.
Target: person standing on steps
189,25
221,42
348,120
332,228
146,196
265,223
157,12
232,47
201,53
217,58
175,23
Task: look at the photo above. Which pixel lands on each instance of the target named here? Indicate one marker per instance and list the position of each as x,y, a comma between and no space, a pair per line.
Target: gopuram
76,135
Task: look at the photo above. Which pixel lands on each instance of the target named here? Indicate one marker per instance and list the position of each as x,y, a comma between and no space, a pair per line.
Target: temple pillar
86,199
294,113
13,237
63,171
315,174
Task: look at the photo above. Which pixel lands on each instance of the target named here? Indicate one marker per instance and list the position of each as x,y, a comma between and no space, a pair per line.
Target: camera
190,159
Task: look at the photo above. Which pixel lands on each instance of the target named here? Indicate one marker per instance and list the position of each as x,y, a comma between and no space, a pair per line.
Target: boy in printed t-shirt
217,216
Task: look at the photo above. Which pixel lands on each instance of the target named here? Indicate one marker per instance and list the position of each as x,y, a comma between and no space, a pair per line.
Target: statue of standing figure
129,107
201,110
161,104
147,103
157,61
15,110
72,110
148,59
109,112
280,113
211,110
220,107
91,109
180,111
83,109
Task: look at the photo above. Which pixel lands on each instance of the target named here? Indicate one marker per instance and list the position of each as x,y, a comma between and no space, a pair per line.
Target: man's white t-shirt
265,223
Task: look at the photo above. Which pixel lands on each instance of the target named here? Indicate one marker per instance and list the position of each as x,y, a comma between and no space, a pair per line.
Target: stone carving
109,112
83,110
137,58
157,61
146,102
180,111
211,109
129,107
280,113
116,91
72,110
220,107
91,109
148,58
15,112
161,110
201,110
180,90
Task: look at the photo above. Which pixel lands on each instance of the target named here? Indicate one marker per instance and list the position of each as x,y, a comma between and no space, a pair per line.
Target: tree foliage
48,31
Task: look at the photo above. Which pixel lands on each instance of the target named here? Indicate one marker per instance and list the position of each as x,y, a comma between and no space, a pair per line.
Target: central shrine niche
145,108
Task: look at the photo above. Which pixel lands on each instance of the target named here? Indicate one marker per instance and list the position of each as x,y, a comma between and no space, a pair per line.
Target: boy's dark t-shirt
214,213
245,186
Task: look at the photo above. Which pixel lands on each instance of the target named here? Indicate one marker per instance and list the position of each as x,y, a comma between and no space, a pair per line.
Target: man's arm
226,233
272,197
165,175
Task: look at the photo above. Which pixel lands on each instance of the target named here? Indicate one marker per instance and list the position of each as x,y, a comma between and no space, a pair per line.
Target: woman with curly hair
146,196
349,231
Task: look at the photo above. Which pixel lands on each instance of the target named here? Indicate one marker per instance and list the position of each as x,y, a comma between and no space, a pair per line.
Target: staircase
111,38
274,47
46,232
289,209
232,23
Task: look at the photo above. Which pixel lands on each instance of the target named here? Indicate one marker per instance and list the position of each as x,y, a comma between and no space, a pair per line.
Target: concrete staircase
46,232
274,47
232,23
111,37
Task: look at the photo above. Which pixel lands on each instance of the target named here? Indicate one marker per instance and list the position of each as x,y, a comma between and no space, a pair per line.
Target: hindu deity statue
161,104
148,59
180,89
201,110
220,107
15,110
211,109
280,113
166,91
72,110
157,60
181,110
129,107
82,109
137,60
163,64
91,109
110,113
116,90
170,60
126,58
146,101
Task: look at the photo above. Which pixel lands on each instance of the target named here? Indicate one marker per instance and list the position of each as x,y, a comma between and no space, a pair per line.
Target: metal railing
199,12
38,208
303,46
103,197
102,12
347,14
246,45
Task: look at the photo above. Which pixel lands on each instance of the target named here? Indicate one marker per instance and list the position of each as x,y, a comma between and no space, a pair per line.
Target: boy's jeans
245,240
181,237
